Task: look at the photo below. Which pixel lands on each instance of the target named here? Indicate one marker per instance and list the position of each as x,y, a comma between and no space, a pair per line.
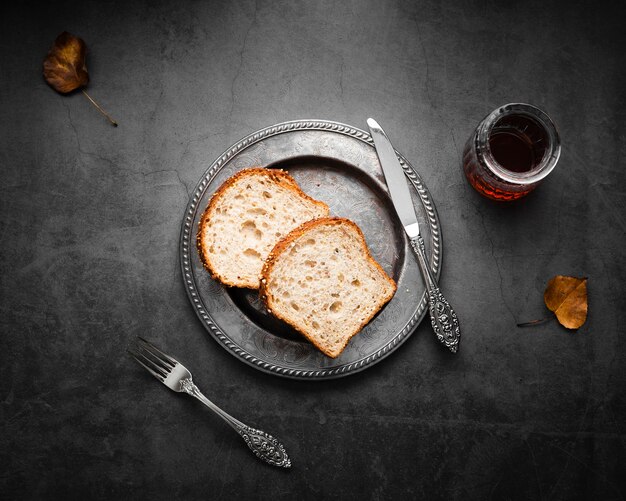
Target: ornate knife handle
442,316
264,445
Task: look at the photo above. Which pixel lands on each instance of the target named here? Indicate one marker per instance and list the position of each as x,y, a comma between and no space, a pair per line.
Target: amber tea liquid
510,151
518,143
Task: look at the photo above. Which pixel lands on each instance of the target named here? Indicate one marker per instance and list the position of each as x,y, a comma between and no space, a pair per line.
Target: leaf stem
535,322
113,122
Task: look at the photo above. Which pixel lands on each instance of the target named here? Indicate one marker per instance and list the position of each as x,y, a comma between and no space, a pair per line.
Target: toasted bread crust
285,243
276,175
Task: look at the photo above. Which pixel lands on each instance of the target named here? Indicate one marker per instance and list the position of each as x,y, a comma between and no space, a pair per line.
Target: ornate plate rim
186,245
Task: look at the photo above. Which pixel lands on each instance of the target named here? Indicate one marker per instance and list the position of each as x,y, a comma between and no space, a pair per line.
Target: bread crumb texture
245,219
323,281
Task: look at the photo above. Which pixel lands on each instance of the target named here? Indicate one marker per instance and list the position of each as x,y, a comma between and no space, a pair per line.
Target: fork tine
164,371
150,370
156,352
155,362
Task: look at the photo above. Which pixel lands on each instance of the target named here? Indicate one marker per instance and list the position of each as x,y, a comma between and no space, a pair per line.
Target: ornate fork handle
264,445
442,316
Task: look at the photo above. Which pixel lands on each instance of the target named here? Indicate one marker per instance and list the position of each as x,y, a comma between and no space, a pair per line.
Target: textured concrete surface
90,220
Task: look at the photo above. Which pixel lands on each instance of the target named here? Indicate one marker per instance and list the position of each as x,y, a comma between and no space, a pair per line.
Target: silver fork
176,377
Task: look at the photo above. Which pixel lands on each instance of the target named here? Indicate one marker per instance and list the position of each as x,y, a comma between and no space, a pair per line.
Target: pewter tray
337,164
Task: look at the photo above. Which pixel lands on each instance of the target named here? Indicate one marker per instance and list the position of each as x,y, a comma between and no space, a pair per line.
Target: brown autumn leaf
567,298
64,67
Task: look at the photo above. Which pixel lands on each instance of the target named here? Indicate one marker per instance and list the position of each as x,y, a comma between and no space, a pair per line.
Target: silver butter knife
442,316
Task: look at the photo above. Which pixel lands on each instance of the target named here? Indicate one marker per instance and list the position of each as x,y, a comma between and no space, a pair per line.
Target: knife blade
442,317
395,178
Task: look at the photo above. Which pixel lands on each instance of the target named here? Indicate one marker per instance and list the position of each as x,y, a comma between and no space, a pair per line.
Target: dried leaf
567,298
64,67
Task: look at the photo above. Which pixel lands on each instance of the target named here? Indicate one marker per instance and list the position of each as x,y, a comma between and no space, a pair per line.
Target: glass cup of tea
511,151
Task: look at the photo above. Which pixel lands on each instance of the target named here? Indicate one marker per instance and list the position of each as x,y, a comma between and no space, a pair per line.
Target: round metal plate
337,164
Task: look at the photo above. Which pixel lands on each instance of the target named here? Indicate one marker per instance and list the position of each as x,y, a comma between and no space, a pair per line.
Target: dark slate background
90,220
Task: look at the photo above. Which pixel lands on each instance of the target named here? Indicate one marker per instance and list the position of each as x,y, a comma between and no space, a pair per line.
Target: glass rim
550,157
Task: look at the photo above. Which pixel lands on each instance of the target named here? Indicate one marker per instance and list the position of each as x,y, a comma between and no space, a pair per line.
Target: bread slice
322,280
246,217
